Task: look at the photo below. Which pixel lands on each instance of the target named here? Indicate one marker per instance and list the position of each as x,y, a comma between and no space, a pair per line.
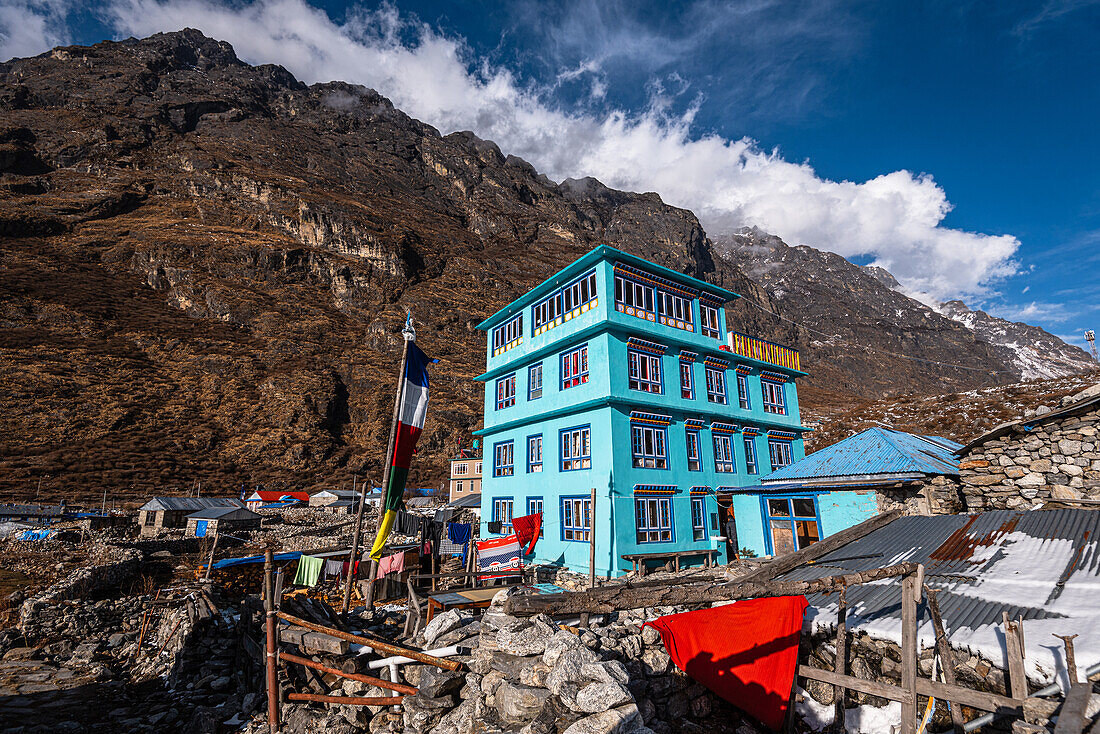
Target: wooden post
592,543
841,662
1071,659
210,562
1071,717
353,555
271,648
372,572
909,597
947,662
1017,677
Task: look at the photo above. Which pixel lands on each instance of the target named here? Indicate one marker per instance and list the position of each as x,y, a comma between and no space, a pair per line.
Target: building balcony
764,351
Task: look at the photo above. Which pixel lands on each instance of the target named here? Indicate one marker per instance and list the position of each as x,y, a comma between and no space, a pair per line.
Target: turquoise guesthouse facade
615,374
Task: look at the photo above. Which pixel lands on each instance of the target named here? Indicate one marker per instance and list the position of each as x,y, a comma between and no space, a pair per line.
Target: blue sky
954,143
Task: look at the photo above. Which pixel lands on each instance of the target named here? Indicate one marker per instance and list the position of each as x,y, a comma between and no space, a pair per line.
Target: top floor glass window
634,295
709,317
580,292
645,372
546,311
460,469
477,468
774,399
574,367
506,392
506,333
716,386
743,392
677,308
576,294
534,381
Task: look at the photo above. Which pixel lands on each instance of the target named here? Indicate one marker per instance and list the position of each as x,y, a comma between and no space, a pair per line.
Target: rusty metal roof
876,452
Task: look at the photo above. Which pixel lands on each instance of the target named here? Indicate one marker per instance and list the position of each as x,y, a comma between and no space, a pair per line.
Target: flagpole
355,543
372,571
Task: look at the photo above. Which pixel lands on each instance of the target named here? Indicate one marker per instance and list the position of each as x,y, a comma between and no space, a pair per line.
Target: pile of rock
42,610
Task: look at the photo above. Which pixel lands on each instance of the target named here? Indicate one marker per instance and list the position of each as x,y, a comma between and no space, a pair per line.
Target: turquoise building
618,375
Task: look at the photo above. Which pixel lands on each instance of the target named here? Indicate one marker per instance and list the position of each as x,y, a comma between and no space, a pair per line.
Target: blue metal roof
881,452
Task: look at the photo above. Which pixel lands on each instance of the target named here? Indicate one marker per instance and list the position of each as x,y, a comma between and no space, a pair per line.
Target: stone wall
1058,459
38,612
936,496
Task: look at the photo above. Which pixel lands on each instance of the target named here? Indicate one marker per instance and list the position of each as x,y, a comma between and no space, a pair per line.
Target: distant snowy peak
1037,353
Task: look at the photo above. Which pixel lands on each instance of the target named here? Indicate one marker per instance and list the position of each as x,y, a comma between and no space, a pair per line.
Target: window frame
499,468
772,389
531,371
505,401
513,328
743,400
706,311
716,388
622,282
691,436
722,465
698,519
461,469
787,452
667,299
535,505
635,359
584,459
531,463
659,441
570,531
565,359
664,529
576,291
551,306
458,486
498,504
687,387
795,519
752,466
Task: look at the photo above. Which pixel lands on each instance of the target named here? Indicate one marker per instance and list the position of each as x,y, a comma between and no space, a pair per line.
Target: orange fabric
746,652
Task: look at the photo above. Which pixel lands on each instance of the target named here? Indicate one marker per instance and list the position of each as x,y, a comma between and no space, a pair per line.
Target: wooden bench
638,560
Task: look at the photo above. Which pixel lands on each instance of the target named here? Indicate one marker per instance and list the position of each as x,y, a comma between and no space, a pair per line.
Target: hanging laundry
448,545
391,564
753,669
527,530
309,570
334,568
500,557
407,523
444,515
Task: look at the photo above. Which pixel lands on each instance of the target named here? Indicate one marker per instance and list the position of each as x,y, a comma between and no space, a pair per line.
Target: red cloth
746,652
527,529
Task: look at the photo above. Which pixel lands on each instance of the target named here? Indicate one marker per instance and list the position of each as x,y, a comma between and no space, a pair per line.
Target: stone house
165,513
1050,455
212,520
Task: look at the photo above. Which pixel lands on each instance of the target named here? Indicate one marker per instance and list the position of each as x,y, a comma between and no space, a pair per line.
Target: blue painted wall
836,510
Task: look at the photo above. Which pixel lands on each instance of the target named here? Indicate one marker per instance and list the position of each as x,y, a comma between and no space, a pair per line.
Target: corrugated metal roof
876,451
470,500
960,553
190,503
224,513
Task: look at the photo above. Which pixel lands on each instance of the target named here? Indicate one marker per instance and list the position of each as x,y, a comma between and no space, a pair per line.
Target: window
460,469
645,372
458,486
534,381
534,507
750,455
575,450
150,519
502,459
716,385
576,518
723,454
574,367
508,332
580,292
780,453
774,400
502,513
534,454
676,308
743,392
792,523
653,519
694,461
506,392
633,296
687,380
477,468
698,518
648,446
709,317
546,311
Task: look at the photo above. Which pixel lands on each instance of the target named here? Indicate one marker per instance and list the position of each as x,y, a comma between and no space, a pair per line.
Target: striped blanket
499,557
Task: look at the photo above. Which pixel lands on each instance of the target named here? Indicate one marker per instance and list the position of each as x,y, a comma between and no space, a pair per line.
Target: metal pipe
442,652
1053,688
391,684
346,700
271,646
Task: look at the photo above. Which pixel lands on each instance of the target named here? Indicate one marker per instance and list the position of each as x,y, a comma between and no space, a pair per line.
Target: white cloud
29,27
1034,311
895,218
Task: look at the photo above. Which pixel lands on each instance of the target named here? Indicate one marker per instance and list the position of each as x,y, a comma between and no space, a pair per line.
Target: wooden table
477,598
638,560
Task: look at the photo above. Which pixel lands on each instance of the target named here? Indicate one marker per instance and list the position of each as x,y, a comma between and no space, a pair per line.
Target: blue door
200,528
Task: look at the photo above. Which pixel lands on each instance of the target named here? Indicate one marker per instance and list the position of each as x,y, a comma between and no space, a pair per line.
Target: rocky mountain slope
205,266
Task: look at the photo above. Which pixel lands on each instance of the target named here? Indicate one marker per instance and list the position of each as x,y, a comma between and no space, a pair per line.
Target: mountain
206,264
1036,353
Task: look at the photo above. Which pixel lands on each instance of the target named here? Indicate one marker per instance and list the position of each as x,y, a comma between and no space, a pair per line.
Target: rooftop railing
764,350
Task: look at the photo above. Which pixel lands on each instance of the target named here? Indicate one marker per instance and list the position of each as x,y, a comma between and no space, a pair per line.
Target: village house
465,475
614,379
328,497
876,470
1050,455
166,513
263,497
214,520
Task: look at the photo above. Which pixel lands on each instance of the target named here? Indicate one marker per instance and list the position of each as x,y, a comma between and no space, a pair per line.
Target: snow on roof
1042,566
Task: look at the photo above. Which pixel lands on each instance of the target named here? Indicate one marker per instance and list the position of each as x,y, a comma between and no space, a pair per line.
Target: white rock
616,721
598,697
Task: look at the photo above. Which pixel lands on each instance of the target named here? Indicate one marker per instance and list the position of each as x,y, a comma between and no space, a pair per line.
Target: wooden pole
1071,659
1017,677
841,663
376,645
592,543
392,686
210,563
627,596
354,547
947,662
271,646
909,596
346,700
